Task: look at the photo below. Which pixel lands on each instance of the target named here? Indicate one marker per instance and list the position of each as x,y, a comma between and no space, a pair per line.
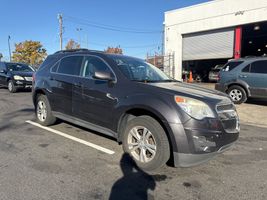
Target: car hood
24,74
193,91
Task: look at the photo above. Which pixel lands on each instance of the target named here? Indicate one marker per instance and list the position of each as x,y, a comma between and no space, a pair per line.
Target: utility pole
78,31
8,40
163,39
60,20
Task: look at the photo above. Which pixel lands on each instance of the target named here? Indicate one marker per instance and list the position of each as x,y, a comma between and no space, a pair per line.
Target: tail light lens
33,78
219,76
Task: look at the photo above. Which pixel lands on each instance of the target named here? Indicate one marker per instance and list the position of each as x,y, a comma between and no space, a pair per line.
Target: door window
259,67
70,65
93,64
246,69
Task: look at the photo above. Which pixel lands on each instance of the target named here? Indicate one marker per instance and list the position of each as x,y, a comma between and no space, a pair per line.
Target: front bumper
189,160
199,140
22,84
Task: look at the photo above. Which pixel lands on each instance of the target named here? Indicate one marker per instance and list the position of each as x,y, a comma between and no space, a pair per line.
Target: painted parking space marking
97,147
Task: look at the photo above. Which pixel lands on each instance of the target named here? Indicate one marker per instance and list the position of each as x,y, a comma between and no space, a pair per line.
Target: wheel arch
244,86
139,111
36,93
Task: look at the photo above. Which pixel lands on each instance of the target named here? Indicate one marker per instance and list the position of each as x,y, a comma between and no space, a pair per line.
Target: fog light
202,144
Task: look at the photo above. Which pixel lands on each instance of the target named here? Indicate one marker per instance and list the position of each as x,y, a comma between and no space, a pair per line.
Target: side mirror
102,75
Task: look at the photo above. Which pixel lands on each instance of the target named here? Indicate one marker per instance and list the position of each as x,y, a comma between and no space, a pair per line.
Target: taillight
33,77
219,76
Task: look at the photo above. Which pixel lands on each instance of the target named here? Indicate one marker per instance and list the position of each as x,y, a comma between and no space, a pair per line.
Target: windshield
19,67
138,70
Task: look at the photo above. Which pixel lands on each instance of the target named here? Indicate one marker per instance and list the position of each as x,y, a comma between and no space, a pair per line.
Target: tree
29,52
1,56
72,45
116,50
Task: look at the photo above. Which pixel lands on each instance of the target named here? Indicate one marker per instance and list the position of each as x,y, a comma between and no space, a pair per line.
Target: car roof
249,59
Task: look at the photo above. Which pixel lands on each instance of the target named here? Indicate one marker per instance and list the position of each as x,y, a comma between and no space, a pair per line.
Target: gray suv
155,117
243,78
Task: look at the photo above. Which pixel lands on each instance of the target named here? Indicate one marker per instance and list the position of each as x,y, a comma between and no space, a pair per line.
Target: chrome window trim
83,55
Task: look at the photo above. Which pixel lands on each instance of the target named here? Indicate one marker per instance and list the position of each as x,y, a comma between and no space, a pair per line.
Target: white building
217,30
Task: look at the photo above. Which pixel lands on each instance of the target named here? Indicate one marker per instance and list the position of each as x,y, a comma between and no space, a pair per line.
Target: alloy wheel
142,144
41,111
236,95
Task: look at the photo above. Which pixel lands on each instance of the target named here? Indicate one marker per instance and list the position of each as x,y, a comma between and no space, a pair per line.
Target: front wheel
146,142
11,87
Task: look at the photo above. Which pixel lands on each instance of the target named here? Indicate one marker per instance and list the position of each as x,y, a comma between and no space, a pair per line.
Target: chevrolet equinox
156,118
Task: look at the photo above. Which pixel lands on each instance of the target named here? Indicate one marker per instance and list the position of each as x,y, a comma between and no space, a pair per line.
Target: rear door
94,100
255,75
62,77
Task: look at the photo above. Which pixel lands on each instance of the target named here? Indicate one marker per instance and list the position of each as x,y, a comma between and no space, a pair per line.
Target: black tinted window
55,67
48,61
231,65
246,69
70,65
92,64
259,67
2,66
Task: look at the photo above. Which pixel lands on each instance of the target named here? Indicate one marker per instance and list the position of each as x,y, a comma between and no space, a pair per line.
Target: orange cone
190,80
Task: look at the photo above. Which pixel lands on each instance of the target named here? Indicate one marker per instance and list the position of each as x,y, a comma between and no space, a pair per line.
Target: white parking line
99,148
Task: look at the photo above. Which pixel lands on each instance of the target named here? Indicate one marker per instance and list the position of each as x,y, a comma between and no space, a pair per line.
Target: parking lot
63,162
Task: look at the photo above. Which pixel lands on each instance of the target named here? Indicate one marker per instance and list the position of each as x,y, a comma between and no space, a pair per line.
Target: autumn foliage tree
116,50
72,45
29,52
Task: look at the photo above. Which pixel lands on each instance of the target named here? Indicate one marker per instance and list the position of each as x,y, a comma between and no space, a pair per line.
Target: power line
110,27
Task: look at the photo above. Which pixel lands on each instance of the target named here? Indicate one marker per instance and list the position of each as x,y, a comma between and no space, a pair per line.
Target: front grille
224,107
228,116
28,78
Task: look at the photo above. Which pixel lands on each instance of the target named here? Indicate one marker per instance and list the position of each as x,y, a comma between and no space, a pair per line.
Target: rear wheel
146,142
237,94
11,87
43,111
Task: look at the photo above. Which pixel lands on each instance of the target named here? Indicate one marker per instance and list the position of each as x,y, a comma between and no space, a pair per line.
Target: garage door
209,45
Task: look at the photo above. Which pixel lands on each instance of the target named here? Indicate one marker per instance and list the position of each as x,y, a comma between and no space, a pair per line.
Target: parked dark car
155,117
15,76
244,78
214,73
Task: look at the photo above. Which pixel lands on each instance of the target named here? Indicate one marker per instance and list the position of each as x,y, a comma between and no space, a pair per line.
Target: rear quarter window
259,67
231,65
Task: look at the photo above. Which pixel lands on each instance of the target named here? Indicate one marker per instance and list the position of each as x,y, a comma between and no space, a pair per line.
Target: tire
43,111
156,138
11,87
237,94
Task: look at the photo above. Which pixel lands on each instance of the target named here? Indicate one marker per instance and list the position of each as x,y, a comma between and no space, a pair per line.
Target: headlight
195,108
16,77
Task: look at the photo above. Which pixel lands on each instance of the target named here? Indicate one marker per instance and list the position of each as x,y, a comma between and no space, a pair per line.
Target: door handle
78,84
51,78
243,76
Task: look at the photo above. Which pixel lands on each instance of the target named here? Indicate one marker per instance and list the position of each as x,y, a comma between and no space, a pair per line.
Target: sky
135,25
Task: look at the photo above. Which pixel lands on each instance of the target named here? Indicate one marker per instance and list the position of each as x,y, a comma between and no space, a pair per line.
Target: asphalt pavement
36,163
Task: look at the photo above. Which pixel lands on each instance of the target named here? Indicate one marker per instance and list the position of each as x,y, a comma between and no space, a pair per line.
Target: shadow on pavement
135,183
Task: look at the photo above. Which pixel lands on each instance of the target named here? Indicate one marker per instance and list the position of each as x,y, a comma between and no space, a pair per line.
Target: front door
94,100
3,74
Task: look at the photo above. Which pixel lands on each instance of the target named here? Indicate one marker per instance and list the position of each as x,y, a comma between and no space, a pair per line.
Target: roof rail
71,50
